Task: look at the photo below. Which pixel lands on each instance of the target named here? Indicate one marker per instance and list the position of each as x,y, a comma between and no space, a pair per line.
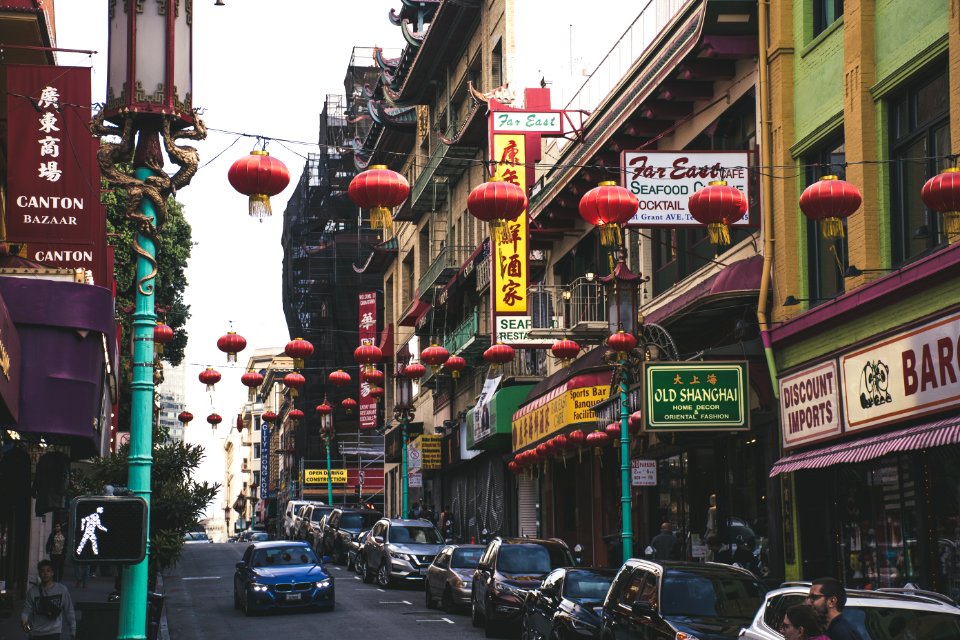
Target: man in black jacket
828,597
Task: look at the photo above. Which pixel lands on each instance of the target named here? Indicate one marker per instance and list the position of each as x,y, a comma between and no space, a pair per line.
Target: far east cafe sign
515,150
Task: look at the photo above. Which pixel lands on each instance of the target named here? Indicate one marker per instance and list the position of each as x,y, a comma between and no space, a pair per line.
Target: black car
567,604
311,525
342,527
709,601
508,569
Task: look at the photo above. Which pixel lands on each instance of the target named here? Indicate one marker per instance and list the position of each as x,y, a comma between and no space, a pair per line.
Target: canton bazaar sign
663,182
568,404
709,396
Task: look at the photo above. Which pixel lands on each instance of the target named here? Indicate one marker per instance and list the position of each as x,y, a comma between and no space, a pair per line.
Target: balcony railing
472,336
442,269
528,363
577,310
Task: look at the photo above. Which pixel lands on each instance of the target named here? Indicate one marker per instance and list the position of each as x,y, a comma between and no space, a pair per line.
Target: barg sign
663,182
810,405
910,374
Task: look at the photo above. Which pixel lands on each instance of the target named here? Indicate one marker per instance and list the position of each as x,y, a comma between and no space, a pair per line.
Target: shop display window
944,506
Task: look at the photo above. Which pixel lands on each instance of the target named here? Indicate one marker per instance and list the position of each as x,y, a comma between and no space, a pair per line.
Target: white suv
291,523
884,614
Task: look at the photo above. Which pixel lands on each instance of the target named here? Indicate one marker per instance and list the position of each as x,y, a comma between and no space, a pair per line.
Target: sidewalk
96,591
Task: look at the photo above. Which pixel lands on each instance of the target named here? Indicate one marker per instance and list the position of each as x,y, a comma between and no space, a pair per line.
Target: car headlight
323,584
256,586
403,556
685,636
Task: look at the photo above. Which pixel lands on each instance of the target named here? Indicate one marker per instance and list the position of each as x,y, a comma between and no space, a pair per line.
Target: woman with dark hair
802,622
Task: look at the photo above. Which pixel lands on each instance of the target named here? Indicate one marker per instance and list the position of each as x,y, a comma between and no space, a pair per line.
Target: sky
264,68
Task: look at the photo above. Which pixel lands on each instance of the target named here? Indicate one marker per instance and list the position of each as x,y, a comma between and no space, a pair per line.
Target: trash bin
98,620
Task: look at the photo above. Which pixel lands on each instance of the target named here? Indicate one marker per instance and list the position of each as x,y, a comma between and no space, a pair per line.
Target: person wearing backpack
46,606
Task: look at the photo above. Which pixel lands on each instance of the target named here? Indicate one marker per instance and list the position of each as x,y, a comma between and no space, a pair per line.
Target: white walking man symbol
90,524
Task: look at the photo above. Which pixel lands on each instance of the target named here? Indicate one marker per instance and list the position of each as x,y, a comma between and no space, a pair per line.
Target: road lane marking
395,602
381,590
356,577
448,620
202,578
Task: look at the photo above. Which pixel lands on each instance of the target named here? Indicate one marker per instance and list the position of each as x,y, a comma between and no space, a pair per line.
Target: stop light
108,529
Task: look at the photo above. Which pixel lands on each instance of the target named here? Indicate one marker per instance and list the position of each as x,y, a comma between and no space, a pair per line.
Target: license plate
423,571
294,596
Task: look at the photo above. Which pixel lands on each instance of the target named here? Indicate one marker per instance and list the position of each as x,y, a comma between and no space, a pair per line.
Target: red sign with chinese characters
368,335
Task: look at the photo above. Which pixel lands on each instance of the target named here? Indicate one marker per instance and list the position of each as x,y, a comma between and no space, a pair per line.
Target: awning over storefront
417,311
924,436
740,277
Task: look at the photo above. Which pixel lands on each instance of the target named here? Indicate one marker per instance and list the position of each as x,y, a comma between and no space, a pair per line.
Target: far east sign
706,396
108,529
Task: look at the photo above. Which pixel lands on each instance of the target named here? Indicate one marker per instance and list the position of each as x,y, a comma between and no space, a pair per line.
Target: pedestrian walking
56,549
446,523
415,511
802,622
718,553
46,606
828,597
665,544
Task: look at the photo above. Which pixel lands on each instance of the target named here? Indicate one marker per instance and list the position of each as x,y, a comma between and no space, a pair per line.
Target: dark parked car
342,527
354,549
567,604
311,524
194,537
666,599
399,551
449,576
508,569
281,575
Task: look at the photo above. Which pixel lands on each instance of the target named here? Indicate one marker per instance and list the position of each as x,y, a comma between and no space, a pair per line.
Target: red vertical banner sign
368,335
53,184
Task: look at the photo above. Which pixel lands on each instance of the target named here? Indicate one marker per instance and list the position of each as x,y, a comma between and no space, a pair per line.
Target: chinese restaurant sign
810,405
509,263
663,182
568,404
53,185
368,335
680,396
429,452
319,476
265,460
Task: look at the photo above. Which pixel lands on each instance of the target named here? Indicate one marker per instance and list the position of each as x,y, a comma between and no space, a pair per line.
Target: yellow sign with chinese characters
429,452
510,254
319,476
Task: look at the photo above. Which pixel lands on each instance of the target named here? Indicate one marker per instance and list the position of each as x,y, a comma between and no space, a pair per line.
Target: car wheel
428,596
447,601
383,575
476,619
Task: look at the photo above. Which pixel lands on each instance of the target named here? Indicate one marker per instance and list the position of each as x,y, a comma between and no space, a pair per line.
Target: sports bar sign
707,396
663,182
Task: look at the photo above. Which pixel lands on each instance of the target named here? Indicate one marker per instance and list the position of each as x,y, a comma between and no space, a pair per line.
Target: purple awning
924,436
740,277
62,326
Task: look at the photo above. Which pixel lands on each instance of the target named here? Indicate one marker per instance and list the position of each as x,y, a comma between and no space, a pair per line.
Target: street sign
319,476
643,473
108,529
703,396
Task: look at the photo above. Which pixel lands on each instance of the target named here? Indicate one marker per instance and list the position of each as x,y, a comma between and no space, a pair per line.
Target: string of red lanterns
718,205
298,349
214,419
829,200
209,377
259,176
435,356
608,206
380,190
454,364
294,381
231,344
185,418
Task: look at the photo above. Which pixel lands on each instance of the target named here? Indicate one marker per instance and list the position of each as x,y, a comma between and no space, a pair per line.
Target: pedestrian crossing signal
108,529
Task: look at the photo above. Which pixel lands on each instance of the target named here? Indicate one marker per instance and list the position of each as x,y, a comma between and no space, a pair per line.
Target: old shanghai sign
704,396
663,182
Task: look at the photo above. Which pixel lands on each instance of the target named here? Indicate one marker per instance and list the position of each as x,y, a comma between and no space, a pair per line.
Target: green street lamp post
326,434
150,46
404,412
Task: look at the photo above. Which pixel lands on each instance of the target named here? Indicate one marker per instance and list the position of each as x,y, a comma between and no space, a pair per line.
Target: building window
825,13
256,478
496,66
256,450
826,257
919,144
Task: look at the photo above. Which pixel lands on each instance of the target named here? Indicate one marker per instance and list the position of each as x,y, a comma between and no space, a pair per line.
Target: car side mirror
241,564
644,608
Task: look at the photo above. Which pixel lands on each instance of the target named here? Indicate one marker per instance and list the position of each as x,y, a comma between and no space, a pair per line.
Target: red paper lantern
577,438
435,356
251,379
613,430
565,350
941,193
294,381
415,370
295,414
348,405
259,176
339,378
498,203
367,355
829,200
717,206
635,422
379,189
162,334
597,439
498,354
209,377
532,456
513,467
185,417
376,392
269,417
298,349
214,419
543,451
324,409
231,344
622,342
455,364
373,376
239,423
608,206
561,442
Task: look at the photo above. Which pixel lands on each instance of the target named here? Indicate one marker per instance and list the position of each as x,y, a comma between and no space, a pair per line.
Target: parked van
290,522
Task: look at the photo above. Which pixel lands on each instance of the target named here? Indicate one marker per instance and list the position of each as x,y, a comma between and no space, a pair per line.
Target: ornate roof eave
411,8
413,37
401,118
380,255
468,124
383,62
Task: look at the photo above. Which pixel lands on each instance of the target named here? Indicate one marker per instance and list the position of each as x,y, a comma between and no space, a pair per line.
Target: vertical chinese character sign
509,263
53,201
265,461
368,335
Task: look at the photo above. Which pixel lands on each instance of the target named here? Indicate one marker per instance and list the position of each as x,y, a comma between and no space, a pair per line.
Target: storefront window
944,504
672,489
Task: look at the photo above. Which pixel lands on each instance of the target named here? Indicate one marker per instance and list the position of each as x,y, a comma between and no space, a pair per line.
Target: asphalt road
199,605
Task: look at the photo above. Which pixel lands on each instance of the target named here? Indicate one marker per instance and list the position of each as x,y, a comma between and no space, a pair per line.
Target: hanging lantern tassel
831,228
610,235
720,234
381,218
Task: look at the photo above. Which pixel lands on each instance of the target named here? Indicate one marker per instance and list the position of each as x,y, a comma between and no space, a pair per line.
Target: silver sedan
449,576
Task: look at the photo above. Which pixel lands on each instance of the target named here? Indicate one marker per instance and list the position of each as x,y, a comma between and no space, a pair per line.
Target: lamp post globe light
404,412
149,47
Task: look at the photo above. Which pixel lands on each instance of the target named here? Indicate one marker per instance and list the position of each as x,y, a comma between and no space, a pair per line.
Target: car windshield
685,593
357,521
465,558
284,556
415,535
259,537
531,558
580,585
889,623
317,514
